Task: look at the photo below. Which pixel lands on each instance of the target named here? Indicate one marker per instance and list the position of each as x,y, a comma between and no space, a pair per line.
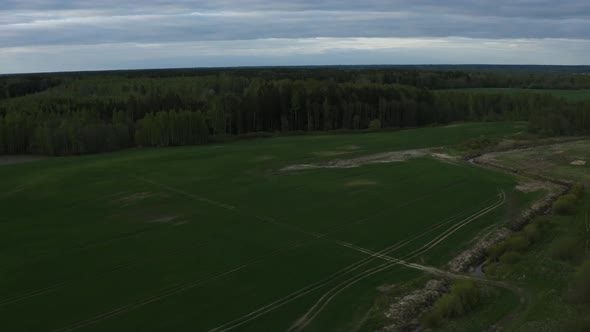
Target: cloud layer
35,34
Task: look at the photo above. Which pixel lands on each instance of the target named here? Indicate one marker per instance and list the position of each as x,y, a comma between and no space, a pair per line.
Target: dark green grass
570,95
495,305
191,238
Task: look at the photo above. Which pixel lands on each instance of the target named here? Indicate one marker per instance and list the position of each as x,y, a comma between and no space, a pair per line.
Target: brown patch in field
444,156
360,183
386,157
330,153
164,219
350,147
11,160
578,163
135,197
12,192
533,186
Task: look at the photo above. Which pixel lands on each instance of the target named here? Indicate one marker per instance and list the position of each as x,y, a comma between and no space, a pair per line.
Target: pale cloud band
50,35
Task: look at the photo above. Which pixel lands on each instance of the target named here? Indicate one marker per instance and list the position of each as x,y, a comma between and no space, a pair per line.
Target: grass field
218,238
544,275
570,95
570,161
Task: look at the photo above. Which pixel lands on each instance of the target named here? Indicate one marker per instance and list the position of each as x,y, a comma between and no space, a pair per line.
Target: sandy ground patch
386,157
135,197
11,160
443,156
578,162
350,147
330,153
264,158
533,186
180,223
165,220
360,183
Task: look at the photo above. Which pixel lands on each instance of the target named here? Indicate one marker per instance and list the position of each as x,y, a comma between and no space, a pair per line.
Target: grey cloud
35,24
199,26
513,8
319,51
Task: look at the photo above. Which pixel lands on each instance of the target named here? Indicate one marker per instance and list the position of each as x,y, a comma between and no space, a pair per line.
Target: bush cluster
477,144
566,248
464,296
516,243
579,289
568,204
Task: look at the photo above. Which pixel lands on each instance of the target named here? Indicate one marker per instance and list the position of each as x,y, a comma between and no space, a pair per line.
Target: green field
570,95
218,238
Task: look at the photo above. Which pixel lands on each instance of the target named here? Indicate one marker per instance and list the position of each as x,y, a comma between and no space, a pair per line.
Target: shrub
579,325
375,124
496,251
532,233
491,269
464,295
579,191
432,320
566,204
449,306
468,293
543,222
517,242
510,257
478,143
566,248
579,288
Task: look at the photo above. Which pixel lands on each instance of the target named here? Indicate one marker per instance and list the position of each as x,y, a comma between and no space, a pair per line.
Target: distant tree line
98,113
16,87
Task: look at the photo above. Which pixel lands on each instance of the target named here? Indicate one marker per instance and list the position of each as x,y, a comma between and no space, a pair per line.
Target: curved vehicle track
306,319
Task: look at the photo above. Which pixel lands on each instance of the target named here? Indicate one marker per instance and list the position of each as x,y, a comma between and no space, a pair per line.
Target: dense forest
79,113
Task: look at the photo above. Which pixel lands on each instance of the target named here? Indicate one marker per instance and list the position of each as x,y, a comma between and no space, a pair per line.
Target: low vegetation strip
493,245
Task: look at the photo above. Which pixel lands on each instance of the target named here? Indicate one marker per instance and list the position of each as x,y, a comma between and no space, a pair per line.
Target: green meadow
227,237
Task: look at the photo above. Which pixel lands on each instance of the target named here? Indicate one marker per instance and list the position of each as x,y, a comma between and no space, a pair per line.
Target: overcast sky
61,35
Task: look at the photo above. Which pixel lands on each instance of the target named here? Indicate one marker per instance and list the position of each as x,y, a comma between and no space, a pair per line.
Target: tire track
302,322
310,288
314,236
191,284
129,264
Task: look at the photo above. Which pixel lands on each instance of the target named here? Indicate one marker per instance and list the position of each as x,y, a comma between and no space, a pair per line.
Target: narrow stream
478,271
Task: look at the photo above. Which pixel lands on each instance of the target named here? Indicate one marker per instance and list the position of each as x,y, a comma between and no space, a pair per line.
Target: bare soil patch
165,219
361,183
133,198
385,157
11,160
532,186
330,153
264,158
350,147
